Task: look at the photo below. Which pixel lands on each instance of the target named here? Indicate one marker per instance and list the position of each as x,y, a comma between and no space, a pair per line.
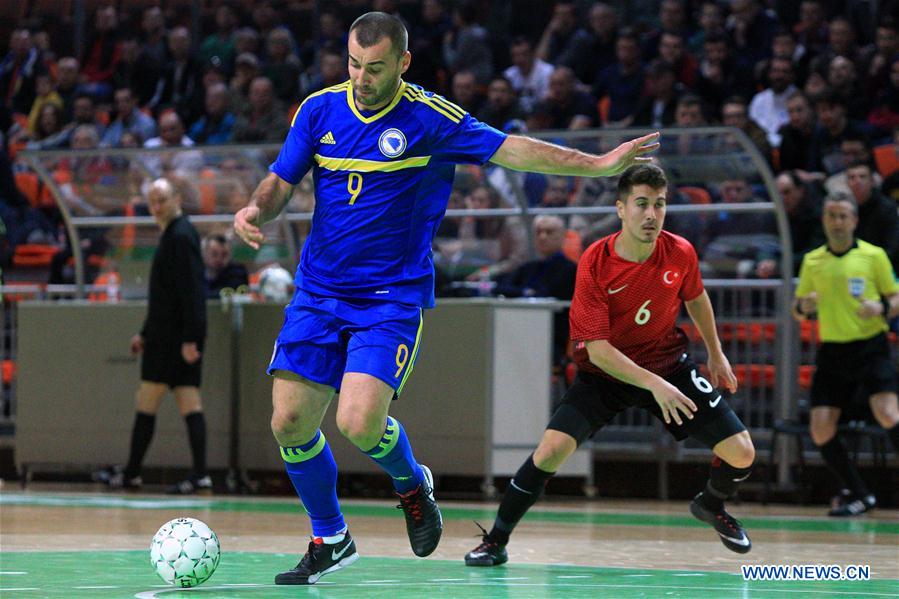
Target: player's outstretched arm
671,401
701,313
522,153
267,202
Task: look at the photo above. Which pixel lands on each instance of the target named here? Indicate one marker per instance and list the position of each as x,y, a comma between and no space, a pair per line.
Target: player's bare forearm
522,153
702,315
606,356
271,195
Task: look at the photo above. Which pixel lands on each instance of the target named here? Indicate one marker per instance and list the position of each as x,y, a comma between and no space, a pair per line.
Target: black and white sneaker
114,477
848,504
191,486
424,524
320,559
488,553
728,528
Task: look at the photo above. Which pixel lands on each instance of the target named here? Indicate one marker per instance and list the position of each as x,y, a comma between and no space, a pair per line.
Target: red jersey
634,305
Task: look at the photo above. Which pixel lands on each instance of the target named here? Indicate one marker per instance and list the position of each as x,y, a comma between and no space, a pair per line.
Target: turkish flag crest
670,278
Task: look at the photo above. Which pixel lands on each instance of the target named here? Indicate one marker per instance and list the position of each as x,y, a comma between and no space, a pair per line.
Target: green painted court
93,545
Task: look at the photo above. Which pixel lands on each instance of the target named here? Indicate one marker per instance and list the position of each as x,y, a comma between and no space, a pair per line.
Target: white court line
174,589
97,587
22,589
690,574
379,581
578,576
11,573
447,579
637,575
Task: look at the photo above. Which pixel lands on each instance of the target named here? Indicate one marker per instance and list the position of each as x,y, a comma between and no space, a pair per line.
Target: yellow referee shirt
842,283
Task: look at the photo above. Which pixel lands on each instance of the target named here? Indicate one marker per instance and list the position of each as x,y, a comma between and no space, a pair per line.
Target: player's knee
358,431
285,423
743,454
553,451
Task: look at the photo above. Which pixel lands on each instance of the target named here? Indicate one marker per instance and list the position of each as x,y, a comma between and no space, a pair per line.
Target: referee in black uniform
850,285
171,341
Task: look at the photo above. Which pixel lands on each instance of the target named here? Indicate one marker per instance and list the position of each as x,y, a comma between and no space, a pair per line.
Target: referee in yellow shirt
850,284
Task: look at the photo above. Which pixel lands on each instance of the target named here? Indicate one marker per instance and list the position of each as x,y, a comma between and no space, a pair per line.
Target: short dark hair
372,27
641,174
861,164
689,99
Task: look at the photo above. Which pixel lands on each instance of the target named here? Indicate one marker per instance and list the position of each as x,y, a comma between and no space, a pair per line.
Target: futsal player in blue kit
383,153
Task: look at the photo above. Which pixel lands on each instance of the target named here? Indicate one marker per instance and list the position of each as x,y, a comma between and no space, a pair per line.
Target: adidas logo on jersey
327,138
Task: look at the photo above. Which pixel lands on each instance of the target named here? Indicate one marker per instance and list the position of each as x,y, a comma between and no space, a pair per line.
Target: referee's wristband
886,307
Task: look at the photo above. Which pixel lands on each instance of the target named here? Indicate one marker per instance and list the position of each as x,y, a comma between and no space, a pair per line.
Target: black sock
141,435
893,434
837,458
196,434
722,484
524,490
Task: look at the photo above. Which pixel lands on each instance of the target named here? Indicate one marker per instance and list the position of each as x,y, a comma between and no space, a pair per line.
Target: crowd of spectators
814,85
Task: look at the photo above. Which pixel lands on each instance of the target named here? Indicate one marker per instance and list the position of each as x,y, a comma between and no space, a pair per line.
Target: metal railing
737,301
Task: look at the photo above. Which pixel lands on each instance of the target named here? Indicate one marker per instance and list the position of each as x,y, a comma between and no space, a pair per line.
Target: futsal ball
276,284
184,552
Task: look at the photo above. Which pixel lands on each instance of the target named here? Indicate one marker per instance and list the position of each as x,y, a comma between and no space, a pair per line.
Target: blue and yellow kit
382,182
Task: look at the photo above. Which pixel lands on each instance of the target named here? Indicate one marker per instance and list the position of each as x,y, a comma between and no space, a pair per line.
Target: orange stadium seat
9,372
207,191
753,332
33,255
887,159
31,187
806,373
602,107
697,195
572,246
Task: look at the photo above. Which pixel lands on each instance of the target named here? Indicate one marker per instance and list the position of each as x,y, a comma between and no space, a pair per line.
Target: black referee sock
141,435
524,489
722,484
837,458
196,434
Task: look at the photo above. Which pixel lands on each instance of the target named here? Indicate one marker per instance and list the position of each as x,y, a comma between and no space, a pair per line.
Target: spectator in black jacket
221,272
878,221
171,342
550,275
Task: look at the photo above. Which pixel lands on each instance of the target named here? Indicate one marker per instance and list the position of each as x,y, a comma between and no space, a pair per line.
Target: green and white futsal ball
184,552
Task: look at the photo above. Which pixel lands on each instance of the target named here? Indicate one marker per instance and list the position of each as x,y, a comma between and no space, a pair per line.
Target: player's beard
376,96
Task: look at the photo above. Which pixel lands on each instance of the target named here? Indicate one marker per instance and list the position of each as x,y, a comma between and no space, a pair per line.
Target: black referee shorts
598,399
852,371
162,363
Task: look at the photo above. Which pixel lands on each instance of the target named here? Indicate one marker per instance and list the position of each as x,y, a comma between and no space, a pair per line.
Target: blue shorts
324,337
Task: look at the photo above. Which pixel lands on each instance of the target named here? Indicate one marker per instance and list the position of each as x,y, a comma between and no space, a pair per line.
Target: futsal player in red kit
629,290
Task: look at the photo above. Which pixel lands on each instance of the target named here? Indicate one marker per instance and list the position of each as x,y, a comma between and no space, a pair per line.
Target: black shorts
599,399
162,363
853,371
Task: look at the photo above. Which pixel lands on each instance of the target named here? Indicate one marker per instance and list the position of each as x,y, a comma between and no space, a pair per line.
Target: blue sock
394,454
313,472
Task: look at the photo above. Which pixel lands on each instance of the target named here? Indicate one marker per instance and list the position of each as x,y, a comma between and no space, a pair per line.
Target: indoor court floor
65,544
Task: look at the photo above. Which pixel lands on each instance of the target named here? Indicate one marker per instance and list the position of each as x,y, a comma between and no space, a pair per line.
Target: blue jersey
382,182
